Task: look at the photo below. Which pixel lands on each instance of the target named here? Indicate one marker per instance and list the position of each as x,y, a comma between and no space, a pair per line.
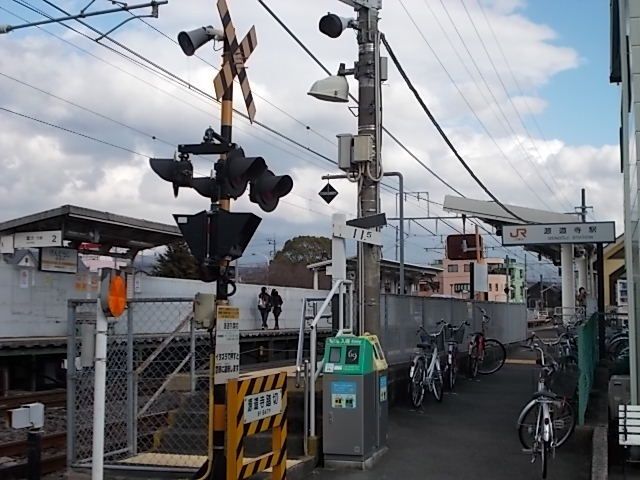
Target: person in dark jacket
264,306
276,302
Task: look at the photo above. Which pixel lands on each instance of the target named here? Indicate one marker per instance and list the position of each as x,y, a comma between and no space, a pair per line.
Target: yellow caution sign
257,405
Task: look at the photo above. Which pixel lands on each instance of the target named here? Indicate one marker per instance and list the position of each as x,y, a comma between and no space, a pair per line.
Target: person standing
276,301
264,306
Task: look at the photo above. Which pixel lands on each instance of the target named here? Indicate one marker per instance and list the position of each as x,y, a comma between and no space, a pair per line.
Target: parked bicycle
566,349
454,336
426,371
547,421
486,355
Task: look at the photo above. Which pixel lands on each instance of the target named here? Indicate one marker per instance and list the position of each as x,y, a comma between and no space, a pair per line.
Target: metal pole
600,294
192,351
100,372
71,383
132,440
568,286
401,227
218,471
34,453
369,108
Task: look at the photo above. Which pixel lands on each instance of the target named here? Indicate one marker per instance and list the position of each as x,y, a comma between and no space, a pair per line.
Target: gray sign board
558,233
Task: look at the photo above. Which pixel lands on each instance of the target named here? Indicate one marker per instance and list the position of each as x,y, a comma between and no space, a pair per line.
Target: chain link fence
156,410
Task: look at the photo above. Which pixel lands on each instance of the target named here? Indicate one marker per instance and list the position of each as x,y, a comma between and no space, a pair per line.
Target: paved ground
471,435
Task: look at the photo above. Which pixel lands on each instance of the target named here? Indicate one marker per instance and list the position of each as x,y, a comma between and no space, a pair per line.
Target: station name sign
558,233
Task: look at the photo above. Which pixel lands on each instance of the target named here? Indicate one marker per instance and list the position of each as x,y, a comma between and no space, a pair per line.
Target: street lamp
268,260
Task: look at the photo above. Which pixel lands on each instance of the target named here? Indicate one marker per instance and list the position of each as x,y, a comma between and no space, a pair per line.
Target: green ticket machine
355,403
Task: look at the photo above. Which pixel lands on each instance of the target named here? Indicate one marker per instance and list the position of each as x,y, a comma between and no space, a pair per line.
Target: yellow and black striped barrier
257,405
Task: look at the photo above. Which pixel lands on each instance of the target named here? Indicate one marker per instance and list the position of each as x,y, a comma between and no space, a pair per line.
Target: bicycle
547,421
486,355
421,376
454,336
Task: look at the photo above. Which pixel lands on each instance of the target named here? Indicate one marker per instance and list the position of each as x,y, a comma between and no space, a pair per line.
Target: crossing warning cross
239,53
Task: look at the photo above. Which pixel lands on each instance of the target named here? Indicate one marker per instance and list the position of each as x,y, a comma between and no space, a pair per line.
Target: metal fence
157,384
401,315
587,362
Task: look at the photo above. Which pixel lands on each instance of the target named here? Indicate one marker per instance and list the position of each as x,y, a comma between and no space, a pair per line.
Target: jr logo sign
519,234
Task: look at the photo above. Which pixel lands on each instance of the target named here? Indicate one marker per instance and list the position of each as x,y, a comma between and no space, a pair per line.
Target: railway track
53,456
50,398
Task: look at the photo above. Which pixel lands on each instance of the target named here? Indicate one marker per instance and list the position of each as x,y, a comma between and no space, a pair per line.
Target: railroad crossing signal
328,193
239,53
216,236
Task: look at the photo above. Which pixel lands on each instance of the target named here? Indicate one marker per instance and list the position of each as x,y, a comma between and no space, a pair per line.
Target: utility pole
360,154
369,123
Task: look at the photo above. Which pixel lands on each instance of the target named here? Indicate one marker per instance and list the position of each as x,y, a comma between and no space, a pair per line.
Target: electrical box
363,149
345,151
384,69
204,308
30,415
619,393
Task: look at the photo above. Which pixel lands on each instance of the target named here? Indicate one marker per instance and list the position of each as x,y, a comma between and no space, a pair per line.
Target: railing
311,368
587,362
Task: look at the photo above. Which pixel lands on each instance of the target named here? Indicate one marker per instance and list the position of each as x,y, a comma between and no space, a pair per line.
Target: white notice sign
56,259
358,234
262,405
558,233
227,356
6,244
49,238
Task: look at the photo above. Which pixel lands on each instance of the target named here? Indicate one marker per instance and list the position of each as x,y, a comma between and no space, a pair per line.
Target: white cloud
45,167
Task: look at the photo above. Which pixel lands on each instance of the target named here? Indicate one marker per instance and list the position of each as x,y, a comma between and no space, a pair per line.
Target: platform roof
496,216
110,231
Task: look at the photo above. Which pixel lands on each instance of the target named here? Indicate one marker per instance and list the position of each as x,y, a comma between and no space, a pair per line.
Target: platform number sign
238,53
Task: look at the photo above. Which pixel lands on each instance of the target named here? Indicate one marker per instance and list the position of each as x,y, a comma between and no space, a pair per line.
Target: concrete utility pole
369,123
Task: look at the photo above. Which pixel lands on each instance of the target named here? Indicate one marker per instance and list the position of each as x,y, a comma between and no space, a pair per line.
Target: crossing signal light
216,236
237,171
267,189
178,172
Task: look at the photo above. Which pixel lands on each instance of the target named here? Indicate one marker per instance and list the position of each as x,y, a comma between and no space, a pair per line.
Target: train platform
470,435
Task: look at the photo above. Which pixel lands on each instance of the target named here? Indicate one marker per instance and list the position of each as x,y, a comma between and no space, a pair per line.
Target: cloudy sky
521,87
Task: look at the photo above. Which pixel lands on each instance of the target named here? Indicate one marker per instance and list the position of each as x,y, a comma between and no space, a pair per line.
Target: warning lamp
267,189
237,171
113,292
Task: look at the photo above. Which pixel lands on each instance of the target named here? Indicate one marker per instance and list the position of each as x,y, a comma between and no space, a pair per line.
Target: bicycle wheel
544,458
493,357
452,372
564,421
437,384
528,425
416,384
472,363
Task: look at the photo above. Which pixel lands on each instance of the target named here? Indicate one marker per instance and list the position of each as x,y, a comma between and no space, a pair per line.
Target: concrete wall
34,303
401,317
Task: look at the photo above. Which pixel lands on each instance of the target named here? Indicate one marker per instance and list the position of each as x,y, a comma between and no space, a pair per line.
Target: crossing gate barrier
257,405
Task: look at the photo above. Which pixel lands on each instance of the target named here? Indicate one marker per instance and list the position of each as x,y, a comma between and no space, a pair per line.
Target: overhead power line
444,136
74,132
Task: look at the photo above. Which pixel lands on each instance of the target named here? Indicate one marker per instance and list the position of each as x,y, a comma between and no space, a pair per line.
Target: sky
521,88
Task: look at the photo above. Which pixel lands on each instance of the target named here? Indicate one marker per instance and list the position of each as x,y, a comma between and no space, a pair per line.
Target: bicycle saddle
425,346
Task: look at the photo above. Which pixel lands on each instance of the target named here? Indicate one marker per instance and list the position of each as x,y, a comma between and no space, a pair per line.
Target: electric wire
444,136
521,92
306,148
468,103
528,156
74,132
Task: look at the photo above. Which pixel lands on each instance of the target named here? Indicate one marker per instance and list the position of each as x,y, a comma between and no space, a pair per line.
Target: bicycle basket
458,335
